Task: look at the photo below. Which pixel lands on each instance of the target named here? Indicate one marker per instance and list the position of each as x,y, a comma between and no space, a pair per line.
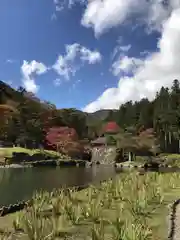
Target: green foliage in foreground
130,207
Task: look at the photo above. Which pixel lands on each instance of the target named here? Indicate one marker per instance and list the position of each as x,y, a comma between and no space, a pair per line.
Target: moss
8,152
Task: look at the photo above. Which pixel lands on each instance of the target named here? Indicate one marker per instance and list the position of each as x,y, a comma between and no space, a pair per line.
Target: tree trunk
170,139
165,141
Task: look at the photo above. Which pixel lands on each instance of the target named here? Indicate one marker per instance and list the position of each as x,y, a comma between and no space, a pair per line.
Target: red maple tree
59,136
111,127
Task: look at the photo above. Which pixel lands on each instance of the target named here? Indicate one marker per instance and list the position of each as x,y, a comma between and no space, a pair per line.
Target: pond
17,184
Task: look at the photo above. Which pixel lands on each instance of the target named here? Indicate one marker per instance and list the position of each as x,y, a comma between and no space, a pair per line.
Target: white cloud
28,70
63,68
157,69
10,61
66,64
53,17
74,85
159,11
57,82
102,15
126,65
62,4
120,49
125,48
59,5
144,53
90,56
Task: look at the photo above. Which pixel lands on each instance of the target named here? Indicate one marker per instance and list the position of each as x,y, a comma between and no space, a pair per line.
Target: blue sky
89,55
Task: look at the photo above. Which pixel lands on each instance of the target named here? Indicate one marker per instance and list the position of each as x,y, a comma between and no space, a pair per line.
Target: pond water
17,184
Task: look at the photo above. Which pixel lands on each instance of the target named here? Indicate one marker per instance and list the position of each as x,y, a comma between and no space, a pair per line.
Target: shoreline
53,163
79,188
84,163
15,166
156,220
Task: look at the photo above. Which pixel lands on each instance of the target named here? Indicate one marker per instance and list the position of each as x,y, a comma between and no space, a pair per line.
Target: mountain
101,114
13,97
98,115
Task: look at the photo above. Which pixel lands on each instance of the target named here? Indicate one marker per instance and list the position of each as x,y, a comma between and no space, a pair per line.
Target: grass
172,159
7,152
129,207
132,164
171,155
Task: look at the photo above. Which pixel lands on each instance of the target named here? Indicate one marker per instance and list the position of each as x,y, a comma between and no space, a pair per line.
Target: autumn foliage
111,127
65,140
57,136
6,114
6,111
74,149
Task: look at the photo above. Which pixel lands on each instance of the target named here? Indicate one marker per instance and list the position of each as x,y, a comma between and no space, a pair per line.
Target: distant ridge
14,97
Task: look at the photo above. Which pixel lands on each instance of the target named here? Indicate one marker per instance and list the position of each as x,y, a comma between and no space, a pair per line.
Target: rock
37,157
87,155
18,157
67,163
4,211
151,165
52,163
118,156
48,157
82,164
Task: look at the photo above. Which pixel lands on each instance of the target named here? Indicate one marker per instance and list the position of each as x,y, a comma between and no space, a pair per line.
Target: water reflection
19,184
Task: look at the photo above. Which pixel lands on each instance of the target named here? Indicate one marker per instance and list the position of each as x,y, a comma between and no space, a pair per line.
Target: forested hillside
162,114
25,118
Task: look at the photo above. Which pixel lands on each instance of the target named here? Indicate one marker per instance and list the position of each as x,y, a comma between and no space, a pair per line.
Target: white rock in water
15,166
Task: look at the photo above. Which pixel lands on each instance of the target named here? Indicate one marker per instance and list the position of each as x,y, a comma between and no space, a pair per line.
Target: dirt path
6,222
